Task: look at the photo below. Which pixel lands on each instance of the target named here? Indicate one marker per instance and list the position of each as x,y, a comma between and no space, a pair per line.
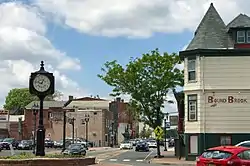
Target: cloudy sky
76,37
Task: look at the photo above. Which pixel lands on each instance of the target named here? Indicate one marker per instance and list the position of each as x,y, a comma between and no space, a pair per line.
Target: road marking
126,160
112,159
139,160
148,155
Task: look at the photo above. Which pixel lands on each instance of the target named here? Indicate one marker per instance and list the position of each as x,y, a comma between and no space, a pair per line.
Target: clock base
40,150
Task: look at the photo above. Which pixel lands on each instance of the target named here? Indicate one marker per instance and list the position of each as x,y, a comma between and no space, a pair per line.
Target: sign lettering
228,99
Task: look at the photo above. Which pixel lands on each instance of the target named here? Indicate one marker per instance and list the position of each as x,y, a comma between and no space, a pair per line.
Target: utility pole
158,122
112,135
166,126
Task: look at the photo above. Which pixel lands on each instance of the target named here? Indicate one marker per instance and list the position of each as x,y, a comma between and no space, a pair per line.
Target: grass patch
30,156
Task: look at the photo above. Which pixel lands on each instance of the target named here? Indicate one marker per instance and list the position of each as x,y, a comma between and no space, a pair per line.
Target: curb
172,163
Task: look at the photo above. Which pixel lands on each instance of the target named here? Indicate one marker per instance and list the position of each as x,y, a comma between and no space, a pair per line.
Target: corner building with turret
217,83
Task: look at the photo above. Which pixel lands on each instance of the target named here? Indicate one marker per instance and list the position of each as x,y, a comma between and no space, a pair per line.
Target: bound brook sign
228,99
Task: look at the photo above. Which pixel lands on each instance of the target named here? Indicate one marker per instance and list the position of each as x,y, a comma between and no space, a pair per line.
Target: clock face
41,83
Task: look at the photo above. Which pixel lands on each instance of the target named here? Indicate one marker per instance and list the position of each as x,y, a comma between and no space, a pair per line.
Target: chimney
71,97
118,99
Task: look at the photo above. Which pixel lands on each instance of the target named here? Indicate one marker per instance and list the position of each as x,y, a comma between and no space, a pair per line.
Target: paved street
130,157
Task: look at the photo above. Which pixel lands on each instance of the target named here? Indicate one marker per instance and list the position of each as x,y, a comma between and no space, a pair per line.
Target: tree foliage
146,132
18,98
147,80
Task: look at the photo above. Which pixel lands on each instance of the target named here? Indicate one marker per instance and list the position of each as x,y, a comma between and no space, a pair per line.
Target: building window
225,140
50,115
248,36
191,70
106,137
192,107
241,37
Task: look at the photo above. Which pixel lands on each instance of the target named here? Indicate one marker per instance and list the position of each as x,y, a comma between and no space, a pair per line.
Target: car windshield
25,141
125,142
8,140
142,142
74,146
216,154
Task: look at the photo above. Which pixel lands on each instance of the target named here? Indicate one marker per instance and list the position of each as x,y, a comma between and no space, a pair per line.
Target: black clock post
41,84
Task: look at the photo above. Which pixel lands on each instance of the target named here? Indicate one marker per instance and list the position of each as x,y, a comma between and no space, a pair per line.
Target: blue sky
76,37
94,51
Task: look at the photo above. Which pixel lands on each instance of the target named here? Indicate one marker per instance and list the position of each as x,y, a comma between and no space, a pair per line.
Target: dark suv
9,141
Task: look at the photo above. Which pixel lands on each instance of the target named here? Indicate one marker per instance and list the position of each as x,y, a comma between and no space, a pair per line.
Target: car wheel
84,153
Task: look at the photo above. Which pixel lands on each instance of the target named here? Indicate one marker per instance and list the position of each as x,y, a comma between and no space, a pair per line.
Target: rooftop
212,32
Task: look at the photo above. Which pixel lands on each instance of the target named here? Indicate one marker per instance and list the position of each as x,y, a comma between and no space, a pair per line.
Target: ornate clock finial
42,65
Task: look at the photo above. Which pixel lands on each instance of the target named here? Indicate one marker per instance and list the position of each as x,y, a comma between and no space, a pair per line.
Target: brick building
123,118
54,128
99,120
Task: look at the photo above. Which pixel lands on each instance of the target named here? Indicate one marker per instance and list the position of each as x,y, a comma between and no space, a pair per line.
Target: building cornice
214,52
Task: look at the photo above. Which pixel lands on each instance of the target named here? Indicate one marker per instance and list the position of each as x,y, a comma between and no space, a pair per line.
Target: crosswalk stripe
139,160
112,159
126,160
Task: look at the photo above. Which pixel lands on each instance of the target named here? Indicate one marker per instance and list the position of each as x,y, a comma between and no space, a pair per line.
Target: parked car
244,144
9,141
171,142
142,146
152,144
49,143
58,144
25,145
126,145
75,149
225,155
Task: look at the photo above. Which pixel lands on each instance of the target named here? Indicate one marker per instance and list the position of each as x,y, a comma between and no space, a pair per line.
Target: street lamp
165,131
87,124
35,109
72,122
64,121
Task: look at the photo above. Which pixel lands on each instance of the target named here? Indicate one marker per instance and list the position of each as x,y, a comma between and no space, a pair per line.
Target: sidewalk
54,152
98,148
170,159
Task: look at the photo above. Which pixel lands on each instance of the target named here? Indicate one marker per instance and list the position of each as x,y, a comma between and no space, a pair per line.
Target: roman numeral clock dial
41,83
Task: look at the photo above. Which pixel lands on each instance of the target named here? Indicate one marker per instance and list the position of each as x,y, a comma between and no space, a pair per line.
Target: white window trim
248,36
51,115
193,60
241,36
191,112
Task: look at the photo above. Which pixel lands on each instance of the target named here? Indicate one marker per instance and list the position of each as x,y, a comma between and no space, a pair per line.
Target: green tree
148,80
145,133
18,98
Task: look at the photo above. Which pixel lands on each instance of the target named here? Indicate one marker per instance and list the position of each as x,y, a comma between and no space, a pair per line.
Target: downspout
204,105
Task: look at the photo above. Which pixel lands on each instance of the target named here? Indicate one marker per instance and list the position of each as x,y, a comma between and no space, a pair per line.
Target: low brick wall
48,162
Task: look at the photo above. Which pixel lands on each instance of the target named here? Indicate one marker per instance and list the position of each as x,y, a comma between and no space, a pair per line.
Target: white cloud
24,45
137,18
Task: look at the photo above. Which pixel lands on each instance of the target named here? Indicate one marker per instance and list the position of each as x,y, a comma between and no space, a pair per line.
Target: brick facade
99,121
53,129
